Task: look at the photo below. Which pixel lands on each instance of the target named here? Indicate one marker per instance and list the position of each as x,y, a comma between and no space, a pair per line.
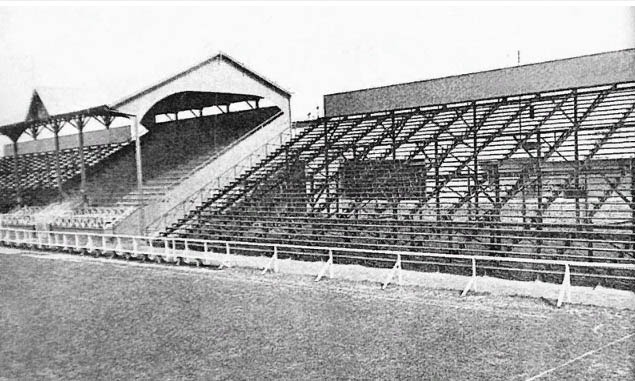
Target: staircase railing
201,194
224,150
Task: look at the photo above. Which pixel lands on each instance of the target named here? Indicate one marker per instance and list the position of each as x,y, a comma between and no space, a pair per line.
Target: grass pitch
76,318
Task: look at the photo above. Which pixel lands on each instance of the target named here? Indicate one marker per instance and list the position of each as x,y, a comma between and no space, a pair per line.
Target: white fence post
65,241
119,247
395,270
565,289
273,262
327,266
90,245
472,283
225,263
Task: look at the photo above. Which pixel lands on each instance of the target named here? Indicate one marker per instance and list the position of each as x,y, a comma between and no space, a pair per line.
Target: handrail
590,264
231,172
142,247
224,150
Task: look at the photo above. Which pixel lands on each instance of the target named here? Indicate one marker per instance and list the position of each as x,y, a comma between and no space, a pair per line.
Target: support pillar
539,188
576,155
326,167
475,155
497,209
633,207
81,123
135,126
436,179
58,169
16,174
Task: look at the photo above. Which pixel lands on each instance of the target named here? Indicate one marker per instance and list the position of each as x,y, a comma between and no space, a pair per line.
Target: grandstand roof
49,104
583,71
62,103
198,100
217,57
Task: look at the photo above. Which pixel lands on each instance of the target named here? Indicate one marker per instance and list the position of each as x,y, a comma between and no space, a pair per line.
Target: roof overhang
196,100
14,130
217,57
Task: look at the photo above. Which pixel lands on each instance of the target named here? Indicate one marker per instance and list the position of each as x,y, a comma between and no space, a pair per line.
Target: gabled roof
37,110
62,100
220,56
61,103
49,103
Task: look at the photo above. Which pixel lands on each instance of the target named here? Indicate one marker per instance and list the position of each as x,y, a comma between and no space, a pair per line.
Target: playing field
64,317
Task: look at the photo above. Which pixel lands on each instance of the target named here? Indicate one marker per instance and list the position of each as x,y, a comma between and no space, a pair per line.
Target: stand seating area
171,151
37,178
546,176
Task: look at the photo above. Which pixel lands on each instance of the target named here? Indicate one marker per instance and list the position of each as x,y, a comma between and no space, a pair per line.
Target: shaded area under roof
193,100
196,100
584,71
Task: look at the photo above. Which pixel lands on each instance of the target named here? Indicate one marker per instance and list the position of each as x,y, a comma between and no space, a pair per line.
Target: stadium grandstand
99,172
526,168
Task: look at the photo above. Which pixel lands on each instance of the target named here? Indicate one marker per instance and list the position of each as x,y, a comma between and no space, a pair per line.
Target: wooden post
81,123
16,173
58,169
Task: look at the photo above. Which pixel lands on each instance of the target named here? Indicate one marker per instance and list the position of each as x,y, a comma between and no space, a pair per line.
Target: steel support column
437,195
633,208
576,155
326,166
539,188
475,158
135,126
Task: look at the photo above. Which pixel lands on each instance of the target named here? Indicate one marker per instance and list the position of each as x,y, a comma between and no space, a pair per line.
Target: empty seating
171,151
440,180
37,175
91,219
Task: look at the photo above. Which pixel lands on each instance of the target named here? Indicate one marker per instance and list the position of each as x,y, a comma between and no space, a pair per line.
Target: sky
311,49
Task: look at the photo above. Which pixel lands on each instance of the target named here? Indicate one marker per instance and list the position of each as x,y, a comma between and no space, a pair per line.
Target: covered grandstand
527,169
195,123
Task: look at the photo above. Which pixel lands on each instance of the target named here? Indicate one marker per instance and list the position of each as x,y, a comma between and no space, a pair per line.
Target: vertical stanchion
472,282
565,289
273,262
119,247
90,245
396,270
225,263
327,266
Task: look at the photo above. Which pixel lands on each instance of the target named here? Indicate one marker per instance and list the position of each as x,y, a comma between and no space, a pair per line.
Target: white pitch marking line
580,357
